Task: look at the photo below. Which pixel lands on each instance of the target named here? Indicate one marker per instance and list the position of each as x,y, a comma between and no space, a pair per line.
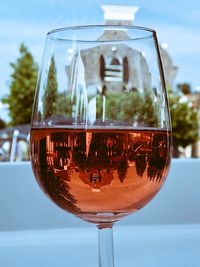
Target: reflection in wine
100,171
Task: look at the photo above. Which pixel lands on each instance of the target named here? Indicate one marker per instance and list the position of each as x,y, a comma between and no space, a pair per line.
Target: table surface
137,246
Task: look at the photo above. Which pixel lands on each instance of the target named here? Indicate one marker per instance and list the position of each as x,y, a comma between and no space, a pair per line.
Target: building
118,67
125,15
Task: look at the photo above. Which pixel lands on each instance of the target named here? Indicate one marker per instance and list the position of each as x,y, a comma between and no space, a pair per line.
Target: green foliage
2,124
129,107
51,91
119,106
185,124
63,105
22,87
185,88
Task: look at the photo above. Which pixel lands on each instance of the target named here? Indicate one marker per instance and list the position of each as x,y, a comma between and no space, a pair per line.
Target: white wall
24,206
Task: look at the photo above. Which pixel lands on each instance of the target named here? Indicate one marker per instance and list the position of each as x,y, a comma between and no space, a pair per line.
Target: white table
138,241
23,205
135,246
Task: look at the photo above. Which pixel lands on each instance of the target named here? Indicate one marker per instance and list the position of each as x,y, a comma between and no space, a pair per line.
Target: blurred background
24,25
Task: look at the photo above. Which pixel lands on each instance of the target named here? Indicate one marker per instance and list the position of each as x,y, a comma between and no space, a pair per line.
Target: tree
185,126
63,105
51,91
117,107
22,87
142,109
2,124
185,88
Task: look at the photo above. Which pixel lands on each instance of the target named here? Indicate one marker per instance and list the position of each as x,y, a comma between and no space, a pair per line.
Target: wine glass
101,131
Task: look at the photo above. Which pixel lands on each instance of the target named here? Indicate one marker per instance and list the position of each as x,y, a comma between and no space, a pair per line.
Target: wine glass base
102,219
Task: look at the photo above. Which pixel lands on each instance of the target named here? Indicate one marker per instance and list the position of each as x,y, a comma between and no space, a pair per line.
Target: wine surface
100,175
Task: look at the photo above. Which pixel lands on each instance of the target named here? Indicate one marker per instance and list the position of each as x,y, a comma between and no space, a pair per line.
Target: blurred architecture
125,15
14,143
117,63
117,66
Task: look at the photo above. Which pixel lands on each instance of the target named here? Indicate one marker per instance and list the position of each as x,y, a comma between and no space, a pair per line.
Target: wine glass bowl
101,132
117,174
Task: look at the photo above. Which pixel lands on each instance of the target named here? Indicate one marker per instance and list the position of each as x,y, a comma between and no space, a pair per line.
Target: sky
177,24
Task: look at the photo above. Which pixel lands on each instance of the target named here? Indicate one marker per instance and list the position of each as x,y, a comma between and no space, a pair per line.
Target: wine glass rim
148,33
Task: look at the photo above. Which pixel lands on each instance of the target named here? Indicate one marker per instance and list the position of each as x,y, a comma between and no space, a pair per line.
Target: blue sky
177,23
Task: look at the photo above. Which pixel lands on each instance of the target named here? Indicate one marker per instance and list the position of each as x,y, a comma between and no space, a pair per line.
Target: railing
14,146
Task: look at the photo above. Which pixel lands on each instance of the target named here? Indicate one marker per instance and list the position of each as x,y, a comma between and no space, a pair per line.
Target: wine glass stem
106,250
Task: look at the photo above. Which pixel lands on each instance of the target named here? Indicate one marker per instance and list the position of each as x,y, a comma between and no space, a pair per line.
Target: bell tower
119,15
